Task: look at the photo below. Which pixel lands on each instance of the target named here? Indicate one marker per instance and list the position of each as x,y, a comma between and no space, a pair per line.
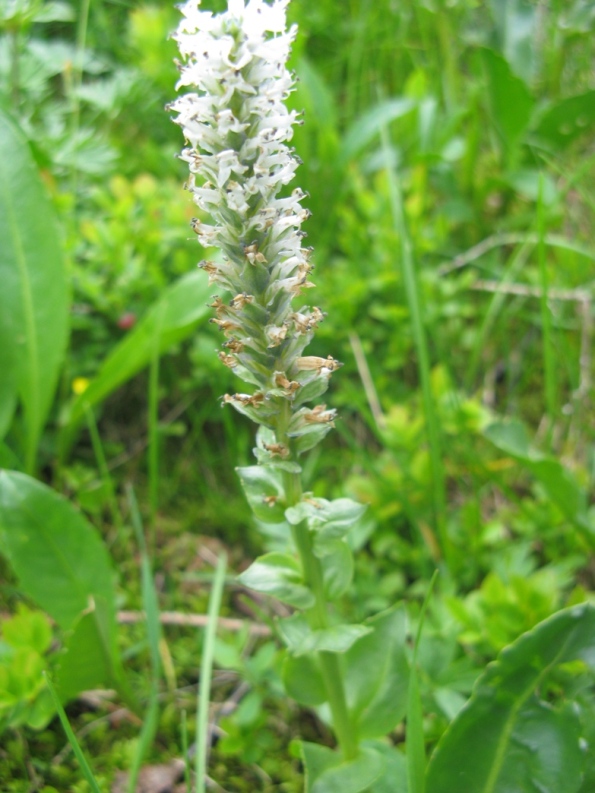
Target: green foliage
559,483
25,640
486,109
278,574
168,322
34,300
63,566
509,734
325,773
377,702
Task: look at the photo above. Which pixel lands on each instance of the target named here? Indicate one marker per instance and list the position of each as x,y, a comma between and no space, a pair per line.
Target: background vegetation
482,114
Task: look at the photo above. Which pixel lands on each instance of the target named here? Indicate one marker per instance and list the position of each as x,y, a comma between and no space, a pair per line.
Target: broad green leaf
559,483
510,101
263,487
280,575
516,26
394,776
87,661
170,320
34,297
330,519
337,639
316,760
303,681
59,558
562,123
325,773
302,640
337,567
62,565
293,630
507,739
377,702
309,437
8,389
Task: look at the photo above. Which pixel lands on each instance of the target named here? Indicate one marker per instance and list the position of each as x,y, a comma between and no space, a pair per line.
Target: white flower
237,128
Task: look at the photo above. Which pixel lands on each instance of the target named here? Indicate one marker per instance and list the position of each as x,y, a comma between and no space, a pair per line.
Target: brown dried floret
228,360
314,363
234,346
277,449
320,415
253,400
281,381
239,301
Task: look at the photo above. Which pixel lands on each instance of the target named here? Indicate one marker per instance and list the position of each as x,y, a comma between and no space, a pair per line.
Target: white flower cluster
237,128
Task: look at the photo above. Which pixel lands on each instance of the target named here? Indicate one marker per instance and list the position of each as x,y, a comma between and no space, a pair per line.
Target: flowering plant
237,129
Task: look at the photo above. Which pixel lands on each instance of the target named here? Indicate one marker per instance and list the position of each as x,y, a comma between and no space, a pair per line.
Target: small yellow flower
80,385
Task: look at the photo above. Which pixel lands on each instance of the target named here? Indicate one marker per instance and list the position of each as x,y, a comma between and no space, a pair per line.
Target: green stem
318,614
104,473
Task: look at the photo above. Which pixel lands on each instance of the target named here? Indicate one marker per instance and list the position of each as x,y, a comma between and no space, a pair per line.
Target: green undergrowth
467,430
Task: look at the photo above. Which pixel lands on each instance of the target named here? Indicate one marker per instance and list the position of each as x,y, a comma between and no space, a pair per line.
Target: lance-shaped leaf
331,520
34,291
303,680
511,103
263,487
378,701
507,738
278,574
337,567
302,640
327,773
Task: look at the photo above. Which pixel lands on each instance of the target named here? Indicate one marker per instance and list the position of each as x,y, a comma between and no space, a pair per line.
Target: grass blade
416,313
184,732
153,450
416,753
102,466
78,752
549,368
151,608
206,669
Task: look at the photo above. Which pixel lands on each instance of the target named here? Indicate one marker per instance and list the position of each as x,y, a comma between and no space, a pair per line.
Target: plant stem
102,466
329,662
206,670
318,614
